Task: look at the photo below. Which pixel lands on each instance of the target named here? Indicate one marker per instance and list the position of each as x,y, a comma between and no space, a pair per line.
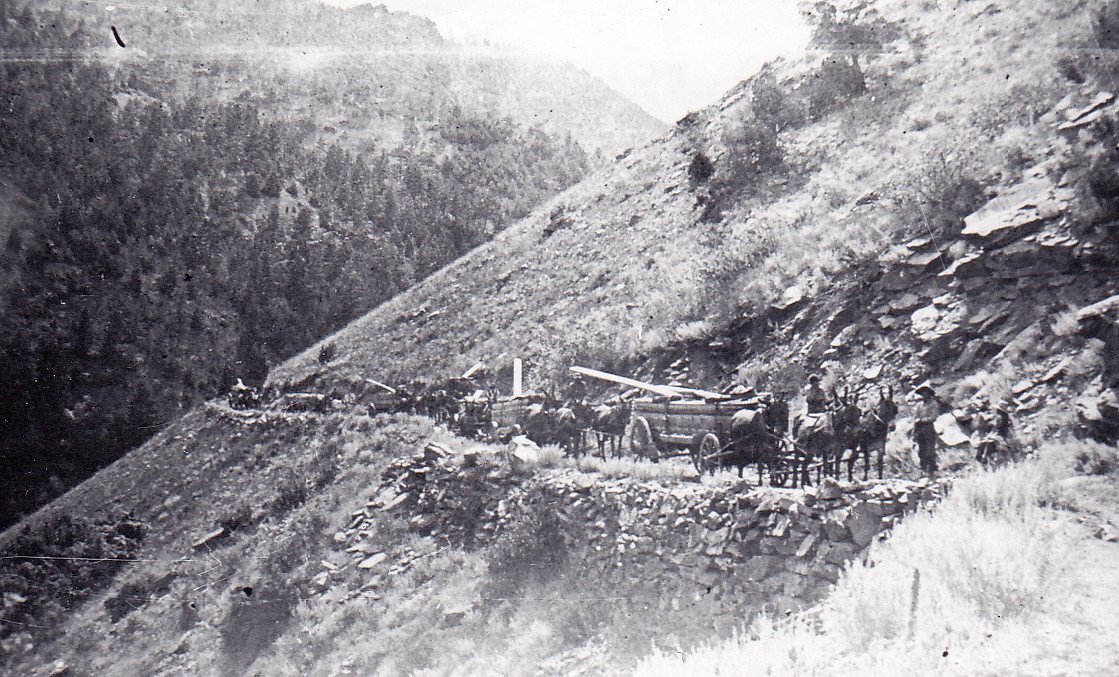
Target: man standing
924,428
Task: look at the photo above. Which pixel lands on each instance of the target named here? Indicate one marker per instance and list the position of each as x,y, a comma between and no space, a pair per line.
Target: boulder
791,297
948,429
922,260
829,489
1022,209
924,320
905,303
757,568
967,266
209,538
840,553
523,453
863,524
372,561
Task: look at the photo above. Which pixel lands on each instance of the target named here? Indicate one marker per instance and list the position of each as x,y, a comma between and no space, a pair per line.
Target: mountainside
361,75
178,196
928,196
694,239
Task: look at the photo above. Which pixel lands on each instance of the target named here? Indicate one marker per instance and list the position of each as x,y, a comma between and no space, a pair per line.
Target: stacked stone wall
733,548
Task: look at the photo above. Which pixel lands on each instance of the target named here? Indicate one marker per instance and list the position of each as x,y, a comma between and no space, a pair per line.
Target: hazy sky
669,56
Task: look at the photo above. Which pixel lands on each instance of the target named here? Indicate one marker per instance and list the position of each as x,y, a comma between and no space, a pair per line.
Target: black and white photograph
559,338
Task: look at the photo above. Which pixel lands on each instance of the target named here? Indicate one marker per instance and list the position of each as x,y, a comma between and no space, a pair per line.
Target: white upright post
518,383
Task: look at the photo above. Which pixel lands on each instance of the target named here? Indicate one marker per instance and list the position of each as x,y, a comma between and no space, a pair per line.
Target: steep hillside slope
227,170
930,196
653,250
361,75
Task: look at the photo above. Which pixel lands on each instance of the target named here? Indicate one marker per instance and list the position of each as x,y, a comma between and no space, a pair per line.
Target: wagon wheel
705,454
779,465
641,441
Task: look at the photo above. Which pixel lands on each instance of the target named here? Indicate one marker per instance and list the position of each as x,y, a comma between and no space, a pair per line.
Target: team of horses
762,435
824,442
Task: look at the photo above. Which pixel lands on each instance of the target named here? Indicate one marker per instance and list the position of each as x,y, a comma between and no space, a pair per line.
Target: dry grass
553,458
636,469
997,591
637,270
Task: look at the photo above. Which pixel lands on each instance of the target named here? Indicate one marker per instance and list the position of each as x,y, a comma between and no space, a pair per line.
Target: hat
924,390
814,378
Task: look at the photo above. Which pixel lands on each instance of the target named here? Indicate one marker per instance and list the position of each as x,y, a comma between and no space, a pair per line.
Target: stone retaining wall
724,542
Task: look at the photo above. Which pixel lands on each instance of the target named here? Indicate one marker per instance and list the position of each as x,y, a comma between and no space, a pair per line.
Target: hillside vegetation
930,194
794,179
184,213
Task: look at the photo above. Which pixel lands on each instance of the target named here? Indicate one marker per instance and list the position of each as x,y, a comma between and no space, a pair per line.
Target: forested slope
170,227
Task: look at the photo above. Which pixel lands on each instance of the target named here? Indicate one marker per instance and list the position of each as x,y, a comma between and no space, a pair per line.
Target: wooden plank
377,383
726,408
705,394
663,391
471,371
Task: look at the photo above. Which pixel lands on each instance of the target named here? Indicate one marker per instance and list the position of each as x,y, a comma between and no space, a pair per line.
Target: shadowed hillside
232,184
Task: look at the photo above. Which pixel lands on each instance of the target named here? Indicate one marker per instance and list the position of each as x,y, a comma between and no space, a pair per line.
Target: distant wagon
305,402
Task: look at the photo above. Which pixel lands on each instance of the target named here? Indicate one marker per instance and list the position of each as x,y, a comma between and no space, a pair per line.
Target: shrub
837,81
529,551
62,563
943,190
700,169
327,353
1095,459
993,568
293,492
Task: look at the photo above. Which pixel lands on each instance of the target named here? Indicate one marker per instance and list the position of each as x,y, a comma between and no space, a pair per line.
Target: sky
668,56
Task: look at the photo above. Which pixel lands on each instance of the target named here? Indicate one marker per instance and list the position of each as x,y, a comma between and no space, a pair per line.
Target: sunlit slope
644,248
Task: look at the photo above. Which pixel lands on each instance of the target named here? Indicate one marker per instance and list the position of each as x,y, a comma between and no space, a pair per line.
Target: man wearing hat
924,427
815,397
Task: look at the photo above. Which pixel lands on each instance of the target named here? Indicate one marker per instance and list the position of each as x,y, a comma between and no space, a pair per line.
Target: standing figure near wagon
993,432
924,428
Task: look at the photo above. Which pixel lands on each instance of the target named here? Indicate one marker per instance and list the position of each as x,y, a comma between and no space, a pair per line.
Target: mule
874,428
608,425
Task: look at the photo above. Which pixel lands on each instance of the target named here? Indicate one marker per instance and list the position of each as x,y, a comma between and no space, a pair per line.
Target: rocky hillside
868,198
283,539
898,206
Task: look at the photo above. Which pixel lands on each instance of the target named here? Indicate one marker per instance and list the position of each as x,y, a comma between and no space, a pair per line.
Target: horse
537,422
751,440
777,416
608,422
845,418
566,430
873,430
825,436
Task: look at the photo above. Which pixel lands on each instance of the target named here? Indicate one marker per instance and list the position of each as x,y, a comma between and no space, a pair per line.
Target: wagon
697,428
384,399
712,429
509,411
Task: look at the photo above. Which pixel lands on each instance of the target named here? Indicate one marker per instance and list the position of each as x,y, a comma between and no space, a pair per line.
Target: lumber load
663,391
